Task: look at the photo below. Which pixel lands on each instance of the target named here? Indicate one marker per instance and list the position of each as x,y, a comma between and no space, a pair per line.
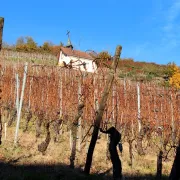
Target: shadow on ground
55,172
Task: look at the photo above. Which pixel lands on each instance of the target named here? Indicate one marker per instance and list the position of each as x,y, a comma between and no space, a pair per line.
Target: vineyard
38,58
147,115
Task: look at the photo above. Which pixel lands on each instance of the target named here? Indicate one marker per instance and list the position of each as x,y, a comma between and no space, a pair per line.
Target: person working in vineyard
115,138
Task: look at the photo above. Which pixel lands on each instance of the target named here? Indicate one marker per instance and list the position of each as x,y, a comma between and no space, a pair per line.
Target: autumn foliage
174,73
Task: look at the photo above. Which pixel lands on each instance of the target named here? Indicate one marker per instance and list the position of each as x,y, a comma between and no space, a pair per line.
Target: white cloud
174,11
171,27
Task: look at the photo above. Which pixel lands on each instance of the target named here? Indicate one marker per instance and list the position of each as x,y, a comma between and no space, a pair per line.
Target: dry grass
26,153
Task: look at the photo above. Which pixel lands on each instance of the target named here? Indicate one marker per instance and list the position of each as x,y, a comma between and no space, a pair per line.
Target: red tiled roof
76,53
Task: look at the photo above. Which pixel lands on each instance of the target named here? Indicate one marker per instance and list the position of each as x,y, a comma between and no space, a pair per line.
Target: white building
76,59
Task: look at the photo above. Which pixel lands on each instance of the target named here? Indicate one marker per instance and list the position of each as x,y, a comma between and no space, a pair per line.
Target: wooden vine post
100,111
1,32
75,125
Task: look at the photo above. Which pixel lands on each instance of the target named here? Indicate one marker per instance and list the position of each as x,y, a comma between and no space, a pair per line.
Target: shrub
175,80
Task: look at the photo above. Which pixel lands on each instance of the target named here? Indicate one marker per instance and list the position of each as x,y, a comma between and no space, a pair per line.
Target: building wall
90,65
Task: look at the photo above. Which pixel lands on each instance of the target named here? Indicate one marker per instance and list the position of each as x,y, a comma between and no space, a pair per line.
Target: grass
25,162
51,62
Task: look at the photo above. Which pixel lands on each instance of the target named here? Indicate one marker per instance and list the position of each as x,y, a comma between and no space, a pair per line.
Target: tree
26,44
171,69
31,44
46,46
21,44
103,58
175,80
173,73
104,55
20,41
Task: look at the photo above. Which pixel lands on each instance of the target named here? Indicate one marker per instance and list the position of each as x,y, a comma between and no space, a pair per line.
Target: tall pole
100,111
20,104
139,107
17,92
1,32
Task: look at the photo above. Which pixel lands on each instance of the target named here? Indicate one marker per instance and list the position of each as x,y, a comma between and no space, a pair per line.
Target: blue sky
147,30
